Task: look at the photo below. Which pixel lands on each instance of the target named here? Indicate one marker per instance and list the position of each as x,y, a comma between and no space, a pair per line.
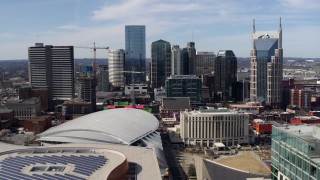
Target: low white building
208,126
138,89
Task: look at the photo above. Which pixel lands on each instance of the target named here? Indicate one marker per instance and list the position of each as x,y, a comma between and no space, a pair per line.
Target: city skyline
212,25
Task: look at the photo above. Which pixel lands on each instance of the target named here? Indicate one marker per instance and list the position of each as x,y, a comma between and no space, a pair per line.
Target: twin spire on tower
279,31
254,26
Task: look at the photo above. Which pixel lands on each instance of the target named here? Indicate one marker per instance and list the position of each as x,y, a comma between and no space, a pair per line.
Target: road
175,170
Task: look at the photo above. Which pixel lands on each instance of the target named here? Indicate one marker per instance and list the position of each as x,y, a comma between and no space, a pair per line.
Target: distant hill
243,62
88,61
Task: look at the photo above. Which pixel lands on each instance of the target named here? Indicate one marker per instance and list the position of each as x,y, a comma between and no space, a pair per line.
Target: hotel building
208,126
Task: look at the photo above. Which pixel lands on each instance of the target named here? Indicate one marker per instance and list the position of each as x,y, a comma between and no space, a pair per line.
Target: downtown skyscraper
160,63
135,59
52,67
266,66
116,67
225,74
179,60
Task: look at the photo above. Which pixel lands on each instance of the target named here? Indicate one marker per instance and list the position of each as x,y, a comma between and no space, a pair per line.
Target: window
313,170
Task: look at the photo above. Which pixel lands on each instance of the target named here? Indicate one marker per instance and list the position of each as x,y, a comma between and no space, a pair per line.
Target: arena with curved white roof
116,126
125,126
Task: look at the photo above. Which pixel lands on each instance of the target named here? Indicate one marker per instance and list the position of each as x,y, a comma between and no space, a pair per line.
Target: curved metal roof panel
123,125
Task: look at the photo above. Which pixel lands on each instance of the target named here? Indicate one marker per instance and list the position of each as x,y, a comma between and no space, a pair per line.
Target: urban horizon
212,25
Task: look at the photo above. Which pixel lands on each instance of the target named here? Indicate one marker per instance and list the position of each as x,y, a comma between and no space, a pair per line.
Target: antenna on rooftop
254,26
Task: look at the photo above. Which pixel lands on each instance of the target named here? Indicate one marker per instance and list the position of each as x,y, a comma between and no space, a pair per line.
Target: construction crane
94,48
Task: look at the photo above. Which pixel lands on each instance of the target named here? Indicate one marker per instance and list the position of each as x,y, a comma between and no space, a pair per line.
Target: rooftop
303,131
307,117
66,162
214,111
121,125
176,103
30,101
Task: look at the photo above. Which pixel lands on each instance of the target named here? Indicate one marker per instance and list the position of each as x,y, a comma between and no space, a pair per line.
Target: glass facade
135,42
225,73
184,86
295,157
266,67
265,49
160,63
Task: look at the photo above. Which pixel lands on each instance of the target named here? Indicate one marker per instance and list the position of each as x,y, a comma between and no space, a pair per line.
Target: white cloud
301,4
131,9
217,24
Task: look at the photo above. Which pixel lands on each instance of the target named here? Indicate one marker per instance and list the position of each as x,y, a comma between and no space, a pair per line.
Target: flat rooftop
303,131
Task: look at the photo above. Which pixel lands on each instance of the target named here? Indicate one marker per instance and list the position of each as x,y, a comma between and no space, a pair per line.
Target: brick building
37,124
42,93
261,127
6,118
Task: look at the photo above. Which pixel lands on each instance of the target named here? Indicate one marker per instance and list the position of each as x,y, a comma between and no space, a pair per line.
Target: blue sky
216,24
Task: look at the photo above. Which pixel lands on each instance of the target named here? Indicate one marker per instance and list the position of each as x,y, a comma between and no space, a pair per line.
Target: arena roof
78,161
118,126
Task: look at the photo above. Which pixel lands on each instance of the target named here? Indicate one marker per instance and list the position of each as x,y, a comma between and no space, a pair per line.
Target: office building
266,67
204,63
52,67
136,89
184,86
86,87
116,67
176,63
87,91
179,61
295,152
135,37
160,63
6,117
287,85
103,78
241,91
300,99
25,109
225,74
30,92
74,109
243,74
171,107
208,126
191,56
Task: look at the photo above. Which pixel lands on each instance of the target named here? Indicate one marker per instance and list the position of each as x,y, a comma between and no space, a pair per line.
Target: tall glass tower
266,66
225,74
135,37
160,63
